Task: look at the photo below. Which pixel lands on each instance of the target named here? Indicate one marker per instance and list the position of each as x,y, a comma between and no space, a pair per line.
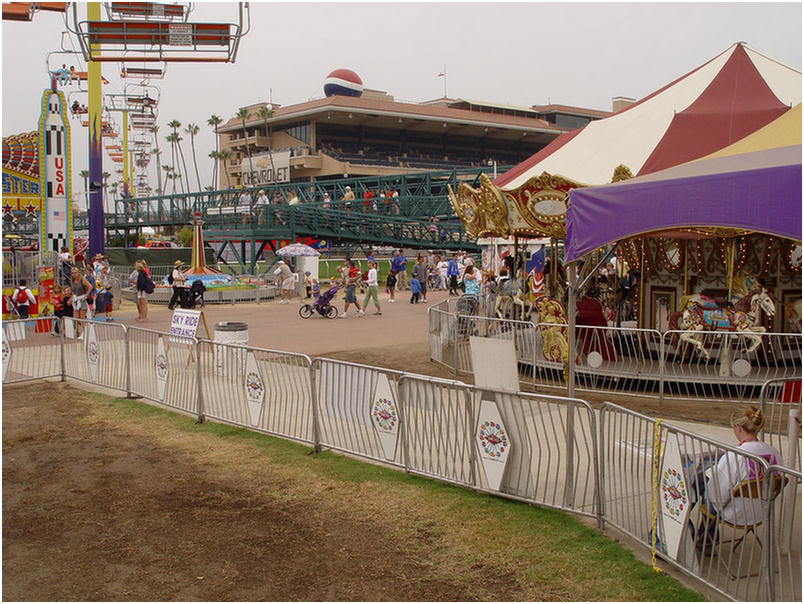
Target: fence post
662,360
600,457
199,396
127,358
403,428
62,361
469,394
569,481
314,405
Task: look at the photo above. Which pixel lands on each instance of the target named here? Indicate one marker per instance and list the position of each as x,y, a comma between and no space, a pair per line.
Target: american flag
58,214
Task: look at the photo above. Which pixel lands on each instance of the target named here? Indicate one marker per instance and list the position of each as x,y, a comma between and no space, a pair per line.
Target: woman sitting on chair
728,475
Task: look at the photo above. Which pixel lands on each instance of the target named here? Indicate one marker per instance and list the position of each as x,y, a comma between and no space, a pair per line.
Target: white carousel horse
512,294
701,314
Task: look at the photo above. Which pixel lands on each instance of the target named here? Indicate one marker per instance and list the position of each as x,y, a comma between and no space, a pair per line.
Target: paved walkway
279,326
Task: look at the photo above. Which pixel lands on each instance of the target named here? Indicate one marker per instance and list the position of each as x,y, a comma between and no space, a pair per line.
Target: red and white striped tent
720,102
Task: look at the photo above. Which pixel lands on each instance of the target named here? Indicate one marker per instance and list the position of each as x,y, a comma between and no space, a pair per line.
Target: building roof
570,110
397,110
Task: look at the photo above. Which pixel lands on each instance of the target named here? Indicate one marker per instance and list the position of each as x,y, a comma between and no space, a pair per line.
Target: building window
300,131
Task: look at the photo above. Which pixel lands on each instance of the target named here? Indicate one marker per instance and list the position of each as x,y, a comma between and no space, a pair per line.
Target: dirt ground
99,510
96,509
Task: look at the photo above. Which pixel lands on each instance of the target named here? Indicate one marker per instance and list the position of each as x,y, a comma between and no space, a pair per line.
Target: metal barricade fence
30,352
726,370
633,491
95,352
358,410
259,389
163,368
783,537
438,424
551,442
780,403
628,360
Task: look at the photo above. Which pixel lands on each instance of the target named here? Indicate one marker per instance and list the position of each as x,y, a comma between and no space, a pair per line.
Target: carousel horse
511,296
704,314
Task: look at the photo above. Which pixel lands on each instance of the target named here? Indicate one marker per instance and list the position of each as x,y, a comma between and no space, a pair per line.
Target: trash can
229,360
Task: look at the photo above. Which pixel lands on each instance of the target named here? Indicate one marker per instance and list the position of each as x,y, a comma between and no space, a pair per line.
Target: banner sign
266,169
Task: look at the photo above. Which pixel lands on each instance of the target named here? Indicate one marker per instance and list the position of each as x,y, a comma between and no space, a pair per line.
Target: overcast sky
580,54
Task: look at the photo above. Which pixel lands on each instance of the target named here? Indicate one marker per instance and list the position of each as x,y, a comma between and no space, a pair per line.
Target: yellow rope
657,443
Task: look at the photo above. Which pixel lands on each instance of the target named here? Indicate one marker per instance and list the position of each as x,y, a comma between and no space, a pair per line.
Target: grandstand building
368,133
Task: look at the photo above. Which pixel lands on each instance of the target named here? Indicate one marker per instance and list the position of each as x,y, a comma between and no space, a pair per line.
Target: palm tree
192,130
267,113
243,115
215,121
171,138
157,153
176,124
223,155
168,171
105,176
154,130
85,175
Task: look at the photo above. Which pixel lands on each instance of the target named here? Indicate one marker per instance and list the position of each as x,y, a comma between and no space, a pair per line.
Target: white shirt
262,200
372,276
178,278
25,300
442,268
730,470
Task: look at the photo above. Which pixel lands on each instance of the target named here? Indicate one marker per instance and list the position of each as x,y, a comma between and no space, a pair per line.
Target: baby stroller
196,294
322,306
467,305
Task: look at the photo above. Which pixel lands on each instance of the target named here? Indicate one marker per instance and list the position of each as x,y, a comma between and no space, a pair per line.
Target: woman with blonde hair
730,471
142,295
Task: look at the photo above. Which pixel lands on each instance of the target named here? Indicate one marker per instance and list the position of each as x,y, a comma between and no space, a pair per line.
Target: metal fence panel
629,446
726,370
95,352
783,538
163,368
263,390
30,352
780,403
347,397
439,422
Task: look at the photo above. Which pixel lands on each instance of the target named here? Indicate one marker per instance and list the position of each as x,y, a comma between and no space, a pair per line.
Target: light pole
493,162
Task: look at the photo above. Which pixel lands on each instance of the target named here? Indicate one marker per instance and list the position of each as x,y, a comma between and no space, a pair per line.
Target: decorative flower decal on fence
93,354
161,366
493,439
674,492
384,414
6,351
255,388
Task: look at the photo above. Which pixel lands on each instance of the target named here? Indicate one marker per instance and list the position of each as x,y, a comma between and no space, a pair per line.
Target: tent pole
641,281
686,268
571,294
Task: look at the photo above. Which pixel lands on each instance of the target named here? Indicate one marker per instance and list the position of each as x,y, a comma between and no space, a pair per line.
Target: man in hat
262,205
348,198
178,280
286,280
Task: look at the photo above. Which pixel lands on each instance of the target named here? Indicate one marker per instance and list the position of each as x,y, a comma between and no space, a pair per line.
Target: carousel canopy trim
758,192
720,102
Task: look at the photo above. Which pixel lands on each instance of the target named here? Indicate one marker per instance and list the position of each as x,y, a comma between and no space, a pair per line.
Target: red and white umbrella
720,102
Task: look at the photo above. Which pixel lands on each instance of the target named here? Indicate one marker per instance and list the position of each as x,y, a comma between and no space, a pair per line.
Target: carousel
693,237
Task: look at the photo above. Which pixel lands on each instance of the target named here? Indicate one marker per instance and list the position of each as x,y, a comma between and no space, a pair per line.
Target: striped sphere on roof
343,82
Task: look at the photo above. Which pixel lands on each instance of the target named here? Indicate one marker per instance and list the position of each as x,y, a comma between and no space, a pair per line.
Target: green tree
243,115
185,236
215,121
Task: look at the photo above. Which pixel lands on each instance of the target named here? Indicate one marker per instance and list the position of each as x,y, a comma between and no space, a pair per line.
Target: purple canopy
758,191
